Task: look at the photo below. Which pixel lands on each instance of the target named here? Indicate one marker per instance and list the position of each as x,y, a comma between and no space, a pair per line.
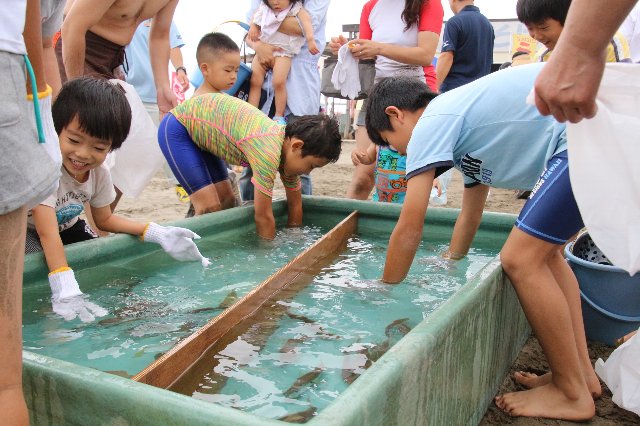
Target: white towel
346,76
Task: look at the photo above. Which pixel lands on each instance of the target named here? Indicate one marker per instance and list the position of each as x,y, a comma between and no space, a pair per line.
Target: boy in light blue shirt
487,131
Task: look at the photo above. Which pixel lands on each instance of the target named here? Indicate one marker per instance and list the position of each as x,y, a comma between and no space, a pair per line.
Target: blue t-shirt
140,74
469,34
486,130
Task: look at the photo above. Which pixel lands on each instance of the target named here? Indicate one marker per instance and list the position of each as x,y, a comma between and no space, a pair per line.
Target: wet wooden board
168,368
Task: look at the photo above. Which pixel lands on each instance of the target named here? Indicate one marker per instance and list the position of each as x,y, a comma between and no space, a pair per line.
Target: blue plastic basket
608,286
610,297
603,326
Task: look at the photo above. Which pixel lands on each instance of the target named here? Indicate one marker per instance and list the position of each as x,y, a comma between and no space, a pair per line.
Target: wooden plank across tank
168,368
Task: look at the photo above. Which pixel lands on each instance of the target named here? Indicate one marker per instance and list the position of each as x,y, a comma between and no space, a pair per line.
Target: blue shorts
193,167
551,212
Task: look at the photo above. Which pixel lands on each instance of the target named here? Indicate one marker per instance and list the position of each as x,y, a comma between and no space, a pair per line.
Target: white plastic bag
604,169
139,159
621,373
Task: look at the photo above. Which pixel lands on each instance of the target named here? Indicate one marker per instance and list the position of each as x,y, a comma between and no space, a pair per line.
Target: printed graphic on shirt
472,168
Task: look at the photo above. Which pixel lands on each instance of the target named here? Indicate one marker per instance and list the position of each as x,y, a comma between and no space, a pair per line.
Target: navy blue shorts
551,212
193,167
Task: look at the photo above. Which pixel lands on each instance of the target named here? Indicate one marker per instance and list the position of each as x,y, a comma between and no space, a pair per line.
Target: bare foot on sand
532,380
547,401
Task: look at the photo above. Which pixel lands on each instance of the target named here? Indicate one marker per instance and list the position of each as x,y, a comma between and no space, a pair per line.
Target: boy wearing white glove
92,117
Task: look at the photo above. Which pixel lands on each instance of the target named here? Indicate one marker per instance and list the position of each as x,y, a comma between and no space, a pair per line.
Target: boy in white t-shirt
92,117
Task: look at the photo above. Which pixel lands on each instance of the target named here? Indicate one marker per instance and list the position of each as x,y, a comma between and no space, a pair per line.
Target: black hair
518,53
404,93
536,11
411,12
291,2
214,43
320,134
101,107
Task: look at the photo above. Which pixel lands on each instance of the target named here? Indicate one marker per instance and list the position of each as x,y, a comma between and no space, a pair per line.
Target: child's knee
279,83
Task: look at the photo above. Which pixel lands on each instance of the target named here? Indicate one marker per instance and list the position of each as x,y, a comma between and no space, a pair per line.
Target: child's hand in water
68,301
313,48
177,242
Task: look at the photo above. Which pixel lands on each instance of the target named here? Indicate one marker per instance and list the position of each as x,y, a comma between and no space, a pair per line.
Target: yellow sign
523,43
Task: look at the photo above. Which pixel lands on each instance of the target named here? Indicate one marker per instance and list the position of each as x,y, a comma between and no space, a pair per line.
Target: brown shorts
101,57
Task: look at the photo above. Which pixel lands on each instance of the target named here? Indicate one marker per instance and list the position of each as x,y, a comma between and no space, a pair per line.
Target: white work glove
67,299
346,75
177,242
51,145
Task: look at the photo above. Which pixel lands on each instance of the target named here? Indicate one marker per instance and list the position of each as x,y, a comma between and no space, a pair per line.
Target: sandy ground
159,203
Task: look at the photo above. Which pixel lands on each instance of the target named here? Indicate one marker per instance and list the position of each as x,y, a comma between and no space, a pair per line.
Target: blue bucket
243,74
610,297
603,326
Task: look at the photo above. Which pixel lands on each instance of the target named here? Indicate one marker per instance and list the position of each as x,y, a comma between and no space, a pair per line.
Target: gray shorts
27,172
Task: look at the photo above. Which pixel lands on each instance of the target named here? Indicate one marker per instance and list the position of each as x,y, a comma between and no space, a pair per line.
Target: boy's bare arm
46,223
263,214
106,221
473,200
307,27
81,17
294,208
407,233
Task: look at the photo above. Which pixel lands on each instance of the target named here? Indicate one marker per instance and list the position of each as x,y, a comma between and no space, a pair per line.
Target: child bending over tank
199,135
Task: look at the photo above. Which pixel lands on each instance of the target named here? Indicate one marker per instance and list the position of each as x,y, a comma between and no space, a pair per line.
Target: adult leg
305,180
12,240
257,78
281,68
362,181
530,264
245,185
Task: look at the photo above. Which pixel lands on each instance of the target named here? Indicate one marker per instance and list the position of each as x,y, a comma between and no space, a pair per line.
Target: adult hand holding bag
603,166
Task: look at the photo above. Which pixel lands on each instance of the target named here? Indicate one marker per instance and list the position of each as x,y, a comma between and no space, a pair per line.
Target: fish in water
291,344
302,381
300,318
228,301
120,373
375,352
300,416
197,311
399,325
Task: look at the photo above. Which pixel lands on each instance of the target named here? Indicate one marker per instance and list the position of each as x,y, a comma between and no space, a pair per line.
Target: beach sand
159,203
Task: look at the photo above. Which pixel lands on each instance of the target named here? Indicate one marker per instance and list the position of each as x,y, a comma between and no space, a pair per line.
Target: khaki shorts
27,173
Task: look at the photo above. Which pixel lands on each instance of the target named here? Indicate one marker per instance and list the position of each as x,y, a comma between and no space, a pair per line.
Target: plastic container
603,326
610,297
607,286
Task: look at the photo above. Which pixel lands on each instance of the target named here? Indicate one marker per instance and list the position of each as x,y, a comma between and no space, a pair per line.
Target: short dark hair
292,2
101,107
320,134
404,93
536,11
213,44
